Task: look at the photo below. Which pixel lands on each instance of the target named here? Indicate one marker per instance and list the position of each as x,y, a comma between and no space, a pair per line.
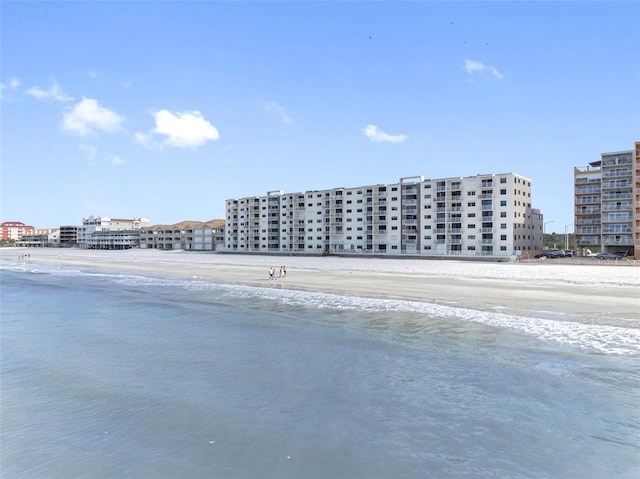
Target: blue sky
166,109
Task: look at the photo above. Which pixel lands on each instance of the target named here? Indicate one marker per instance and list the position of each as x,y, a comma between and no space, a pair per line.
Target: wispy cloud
87,116
374,134
187,129
116,160
279,110
53,93
13,84
475,66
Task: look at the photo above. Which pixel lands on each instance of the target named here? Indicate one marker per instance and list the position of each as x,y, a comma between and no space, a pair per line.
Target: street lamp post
566,236
544,229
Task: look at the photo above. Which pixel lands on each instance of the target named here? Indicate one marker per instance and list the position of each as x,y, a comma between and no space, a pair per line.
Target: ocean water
118,376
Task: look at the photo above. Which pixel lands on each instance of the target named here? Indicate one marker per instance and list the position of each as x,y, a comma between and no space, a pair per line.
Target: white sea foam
595,337
605,339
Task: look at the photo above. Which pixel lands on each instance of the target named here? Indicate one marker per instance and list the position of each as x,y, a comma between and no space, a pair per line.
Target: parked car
607,256
548,254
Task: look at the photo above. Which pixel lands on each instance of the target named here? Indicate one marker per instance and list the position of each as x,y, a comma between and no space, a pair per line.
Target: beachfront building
42,238
102,232
487,215
14,230
68,236
186,235
607,204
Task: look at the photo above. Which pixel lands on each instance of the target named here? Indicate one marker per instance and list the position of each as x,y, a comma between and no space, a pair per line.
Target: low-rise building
45,237
186,235
68,236
102,232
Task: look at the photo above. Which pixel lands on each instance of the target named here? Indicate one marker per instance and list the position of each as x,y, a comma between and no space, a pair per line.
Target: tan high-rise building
607,204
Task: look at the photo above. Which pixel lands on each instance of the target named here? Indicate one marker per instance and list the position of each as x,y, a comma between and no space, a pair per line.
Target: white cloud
474,66
53,93
183,129
372,132
87,116
142,138
494,71
13,84
278,110
116,160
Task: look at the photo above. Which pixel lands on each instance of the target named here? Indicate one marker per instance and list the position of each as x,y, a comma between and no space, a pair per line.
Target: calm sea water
109,376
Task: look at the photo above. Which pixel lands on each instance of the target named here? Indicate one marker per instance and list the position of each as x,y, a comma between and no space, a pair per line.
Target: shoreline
593,294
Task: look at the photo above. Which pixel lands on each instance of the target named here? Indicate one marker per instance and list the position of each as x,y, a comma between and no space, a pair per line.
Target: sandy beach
587,291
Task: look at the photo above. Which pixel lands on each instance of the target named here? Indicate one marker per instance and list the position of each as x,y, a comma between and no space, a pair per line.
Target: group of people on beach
281,274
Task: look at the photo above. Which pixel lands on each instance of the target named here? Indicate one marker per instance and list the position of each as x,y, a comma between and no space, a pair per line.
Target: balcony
589,241
617,208
588,222
585,190
616,173
628,219
626,240
616,196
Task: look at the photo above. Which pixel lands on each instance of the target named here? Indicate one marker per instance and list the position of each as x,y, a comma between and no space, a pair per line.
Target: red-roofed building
14,230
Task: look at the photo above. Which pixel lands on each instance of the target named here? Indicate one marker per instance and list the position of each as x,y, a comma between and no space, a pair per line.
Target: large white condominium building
487,215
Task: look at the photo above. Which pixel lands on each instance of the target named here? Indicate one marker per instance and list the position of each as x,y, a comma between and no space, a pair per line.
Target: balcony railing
616,196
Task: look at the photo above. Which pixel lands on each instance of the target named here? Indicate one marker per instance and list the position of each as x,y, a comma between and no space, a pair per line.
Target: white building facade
488,215
102,232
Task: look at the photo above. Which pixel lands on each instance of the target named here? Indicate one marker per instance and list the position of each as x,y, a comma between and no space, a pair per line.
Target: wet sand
587,290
